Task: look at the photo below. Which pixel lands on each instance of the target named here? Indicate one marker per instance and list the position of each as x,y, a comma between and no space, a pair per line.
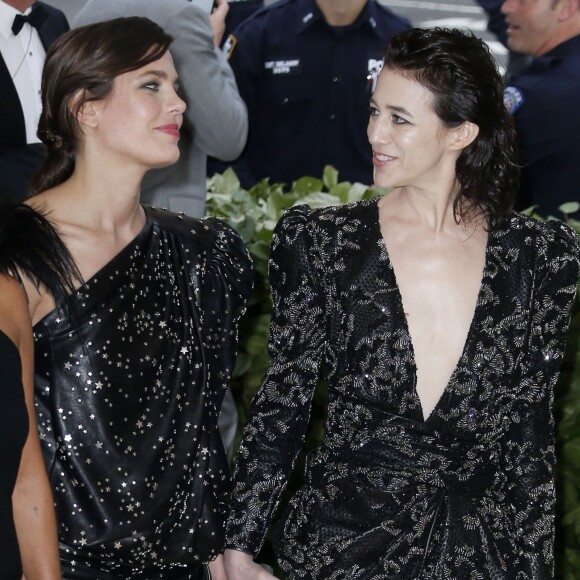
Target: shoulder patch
513,99
229,46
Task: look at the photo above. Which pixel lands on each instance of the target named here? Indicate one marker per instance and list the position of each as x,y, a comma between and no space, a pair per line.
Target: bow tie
36,17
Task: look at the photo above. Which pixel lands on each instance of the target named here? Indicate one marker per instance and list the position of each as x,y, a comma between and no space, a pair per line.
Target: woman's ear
84,109
463,136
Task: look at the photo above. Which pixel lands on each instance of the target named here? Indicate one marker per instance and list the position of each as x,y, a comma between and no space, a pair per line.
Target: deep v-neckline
405,324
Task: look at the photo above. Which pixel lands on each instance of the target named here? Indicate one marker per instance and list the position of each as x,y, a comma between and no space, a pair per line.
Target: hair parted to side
459,71
81,66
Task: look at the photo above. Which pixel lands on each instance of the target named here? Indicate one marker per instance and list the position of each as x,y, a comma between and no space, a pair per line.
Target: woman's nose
177,104
376,131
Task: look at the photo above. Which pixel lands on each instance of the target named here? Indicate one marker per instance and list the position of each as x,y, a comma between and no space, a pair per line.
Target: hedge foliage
254,214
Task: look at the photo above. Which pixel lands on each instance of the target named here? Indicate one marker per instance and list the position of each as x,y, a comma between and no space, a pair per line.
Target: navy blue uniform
238,12
307,87
545,102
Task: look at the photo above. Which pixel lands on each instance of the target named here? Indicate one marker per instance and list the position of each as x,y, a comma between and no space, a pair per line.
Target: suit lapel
14,129
51,29
10,109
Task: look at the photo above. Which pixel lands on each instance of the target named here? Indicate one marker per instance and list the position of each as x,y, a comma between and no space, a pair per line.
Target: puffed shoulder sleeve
227,284
279,415
29,245
530,451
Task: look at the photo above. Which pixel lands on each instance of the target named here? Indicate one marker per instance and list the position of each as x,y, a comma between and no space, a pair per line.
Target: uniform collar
565,50
7,14
309,13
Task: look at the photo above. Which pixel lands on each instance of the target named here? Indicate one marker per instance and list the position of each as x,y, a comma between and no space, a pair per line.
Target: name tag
287,67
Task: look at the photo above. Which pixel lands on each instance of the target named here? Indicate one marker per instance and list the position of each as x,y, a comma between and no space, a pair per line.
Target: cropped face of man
532,25
21,5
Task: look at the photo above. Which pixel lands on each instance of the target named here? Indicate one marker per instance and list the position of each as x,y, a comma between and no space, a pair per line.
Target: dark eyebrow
394,108
401,110
161,75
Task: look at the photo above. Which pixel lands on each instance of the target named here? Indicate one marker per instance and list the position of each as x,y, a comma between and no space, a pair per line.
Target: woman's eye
398,120
152,86
373,111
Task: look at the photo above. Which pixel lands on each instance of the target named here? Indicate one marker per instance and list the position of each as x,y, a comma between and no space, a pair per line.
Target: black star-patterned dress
467,493
128,389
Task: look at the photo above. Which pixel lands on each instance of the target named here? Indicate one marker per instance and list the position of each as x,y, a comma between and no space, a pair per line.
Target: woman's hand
218,569
241,566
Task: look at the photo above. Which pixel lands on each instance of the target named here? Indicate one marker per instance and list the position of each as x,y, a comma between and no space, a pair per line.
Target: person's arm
279,415
215,111
529,454
32,501
217,20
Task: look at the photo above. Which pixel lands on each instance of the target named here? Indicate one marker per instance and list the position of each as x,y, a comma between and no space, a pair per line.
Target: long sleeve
275,431
529,449
226,287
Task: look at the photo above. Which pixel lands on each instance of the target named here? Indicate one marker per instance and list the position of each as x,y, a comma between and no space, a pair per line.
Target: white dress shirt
24,56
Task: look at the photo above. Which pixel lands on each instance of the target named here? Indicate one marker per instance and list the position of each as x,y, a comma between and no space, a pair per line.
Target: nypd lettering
287,67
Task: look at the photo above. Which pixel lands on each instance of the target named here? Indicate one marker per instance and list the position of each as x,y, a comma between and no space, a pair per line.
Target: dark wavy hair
459,71
81,66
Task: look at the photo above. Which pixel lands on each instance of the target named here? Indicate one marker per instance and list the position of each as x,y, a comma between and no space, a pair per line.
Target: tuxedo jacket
18,160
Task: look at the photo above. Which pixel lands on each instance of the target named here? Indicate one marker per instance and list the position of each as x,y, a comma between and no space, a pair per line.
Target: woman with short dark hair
438,317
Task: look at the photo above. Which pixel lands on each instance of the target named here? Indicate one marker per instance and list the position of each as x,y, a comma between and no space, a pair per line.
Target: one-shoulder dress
468,492
128,388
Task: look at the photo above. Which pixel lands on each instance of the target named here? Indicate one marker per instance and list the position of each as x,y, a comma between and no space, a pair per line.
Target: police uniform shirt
545,103
307,87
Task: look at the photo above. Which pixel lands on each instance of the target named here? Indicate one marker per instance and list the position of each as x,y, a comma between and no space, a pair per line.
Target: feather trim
30,245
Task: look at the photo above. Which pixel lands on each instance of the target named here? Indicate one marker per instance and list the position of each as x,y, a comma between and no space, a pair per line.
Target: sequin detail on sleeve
466,493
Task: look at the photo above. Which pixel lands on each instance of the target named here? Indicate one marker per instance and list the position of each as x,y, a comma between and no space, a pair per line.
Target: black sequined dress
128,390
467,493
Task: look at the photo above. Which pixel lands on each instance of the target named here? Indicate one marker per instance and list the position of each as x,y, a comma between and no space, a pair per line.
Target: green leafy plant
254,214
567,413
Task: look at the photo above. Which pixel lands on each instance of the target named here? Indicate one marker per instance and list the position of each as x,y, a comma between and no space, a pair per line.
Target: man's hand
217,19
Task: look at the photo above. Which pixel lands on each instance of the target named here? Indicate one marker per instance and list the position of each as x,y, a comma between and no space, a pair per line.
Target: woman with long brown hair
129,382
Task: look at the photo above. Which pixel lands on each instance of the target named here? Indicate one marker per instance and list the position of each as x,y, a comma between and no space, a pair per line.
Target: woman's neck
100,200
434,213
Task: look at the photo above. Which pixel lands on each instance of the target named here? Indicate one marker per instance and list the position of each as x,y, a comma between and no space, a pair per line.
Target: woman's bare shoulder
14,315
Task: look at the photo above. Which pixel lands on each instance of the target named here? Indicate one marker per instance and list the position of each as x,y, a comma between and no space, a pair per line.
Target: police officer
238,12
545,98
306,70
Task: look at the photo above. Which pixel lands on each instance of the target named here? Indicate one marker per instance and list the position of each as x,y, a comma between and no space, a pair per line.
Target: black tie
36,17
